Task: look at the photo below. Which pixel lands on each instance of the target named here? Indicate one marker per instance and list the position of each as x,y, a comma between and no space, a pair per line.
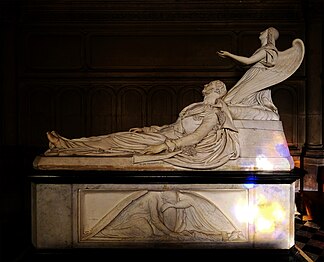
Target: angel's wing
113,213
205,215
256,79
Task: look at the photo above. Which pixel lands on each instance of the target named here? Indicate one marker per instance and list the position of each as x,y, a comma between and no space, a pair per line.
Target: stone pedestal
163,209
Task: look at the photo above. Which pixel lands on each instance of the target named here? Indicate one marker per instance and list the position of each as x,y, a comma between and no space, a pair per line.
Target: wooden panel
36,115
103,12
53,51
70,110
102,116
285,98
188,95
158,51
131,109
161,106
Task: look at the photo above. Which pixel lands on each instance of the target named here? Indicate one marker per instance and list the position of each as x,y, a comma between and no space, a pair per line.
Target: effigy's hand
155,149
136,130
223,54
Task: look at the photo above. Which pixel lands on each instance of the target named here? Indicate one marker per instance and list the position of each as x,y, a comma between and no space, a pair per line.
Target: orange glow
265,214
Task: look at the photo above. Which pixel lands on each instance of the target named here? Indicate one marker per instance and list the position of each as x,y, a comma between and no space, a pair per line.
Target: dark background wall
91,67
94,67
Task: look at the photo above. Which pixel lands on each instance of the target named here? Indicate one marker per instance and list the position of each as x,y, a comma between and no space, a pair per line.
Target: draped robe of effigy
205,133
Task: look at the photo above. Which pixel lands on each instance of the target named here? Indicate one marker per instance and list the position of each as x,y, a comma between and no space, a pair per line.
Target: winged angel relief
164,215
204,136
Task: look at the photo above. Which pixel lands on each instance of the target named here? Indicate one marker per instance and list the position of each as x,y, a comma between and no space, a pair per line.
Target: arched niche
102,110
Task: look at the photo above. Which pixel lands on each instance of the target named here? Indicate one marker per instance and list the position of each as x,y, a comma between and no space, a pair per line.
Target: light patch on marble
273,214
268,213
263,163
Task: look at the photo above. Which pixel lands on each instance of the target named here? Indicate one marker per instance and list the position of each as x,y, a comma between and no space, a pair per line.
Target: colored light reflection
243,212
250,182
269,214
263,163
283,150
265,215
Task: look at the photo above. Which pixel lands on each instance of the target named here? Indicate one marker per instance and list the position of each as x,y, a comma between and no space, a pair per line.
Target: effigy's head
216,86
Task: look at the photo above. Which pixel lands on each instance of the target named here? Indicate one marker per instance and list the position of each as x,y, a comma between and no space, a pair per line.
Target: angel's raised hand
222,53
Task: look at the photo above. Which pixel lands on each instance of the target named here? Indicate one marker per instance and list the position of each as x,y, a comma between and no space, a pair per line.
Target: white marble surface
52,216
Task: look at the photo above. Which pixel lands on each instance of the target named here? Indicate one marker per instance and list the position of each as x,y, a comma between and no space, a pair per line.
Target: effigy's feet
54,140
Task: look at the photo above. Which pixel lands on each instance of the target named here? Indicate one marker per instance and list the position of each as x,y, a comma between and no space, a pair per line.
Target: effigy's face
208,89
220,89
215,89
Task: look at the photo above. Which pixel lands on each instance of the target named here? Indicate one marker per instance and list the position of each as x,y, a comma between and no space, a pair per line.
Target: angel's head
269,36
273,35
169,196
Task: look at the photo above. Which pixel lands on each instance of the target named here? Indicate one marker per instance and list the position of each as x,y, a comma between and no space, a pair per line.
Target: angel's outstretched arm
242,59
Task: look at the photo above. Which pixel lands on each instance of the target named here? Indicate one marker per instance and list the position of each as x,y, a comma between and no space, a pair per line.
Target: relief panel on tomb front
161,215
